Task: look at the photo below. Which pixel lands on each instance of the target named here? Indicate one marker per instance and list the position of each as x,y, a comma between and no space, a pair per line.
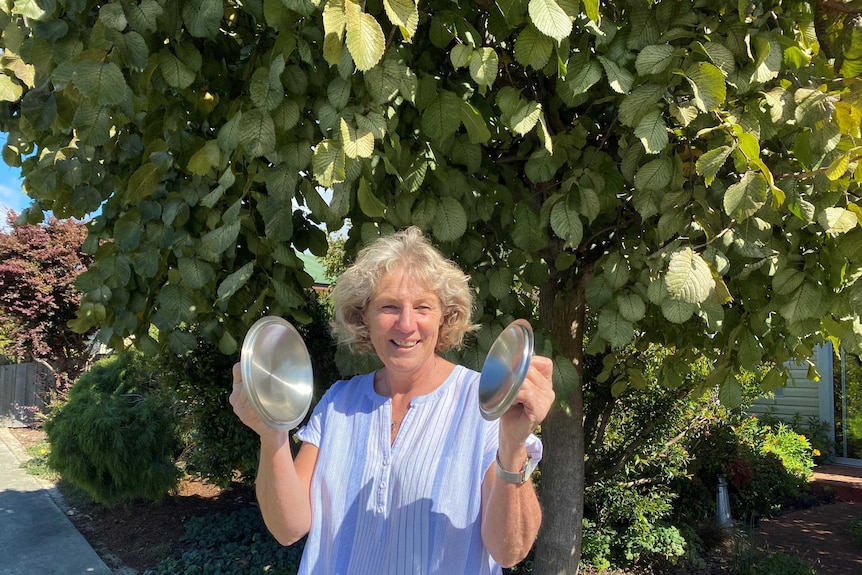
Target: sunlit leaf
688,277
550,19
365,39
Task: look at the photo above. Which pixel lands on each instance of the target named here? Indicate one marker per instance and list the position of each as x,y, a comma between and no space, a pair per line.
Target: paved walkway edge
35,534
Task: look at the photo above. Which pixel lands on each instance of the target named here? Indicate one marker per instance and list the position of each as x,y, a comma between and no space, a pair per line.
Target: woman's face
404,319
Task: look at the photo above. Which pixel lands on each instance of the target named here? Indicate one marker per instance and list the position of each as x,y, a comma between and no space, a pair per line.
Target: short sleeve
312,431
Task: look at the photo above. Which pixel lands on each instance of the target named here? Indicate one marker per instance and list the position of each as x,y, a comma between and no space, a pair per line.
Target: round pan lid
276,372
505,369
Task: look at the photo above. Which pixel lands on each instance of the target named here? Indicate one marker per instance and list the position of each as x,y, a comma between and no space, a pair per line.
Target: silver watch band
515,477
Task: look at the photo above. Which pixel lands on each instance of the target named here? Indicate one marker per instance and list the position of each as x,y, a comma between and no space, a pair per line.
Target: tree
38,267
628,173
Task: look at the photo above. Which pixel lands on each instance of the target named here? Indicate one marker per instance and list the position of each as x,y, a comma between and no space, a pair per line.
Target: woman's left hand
530,407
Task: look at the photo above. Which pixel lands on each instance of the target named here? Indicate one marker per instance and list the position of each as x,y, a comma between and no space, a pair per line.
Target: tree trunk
558,548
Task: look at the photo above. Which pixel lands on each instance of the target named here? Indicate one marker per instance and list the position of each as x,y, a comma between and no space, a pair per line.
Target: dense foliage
218,447
681,173
231,543
116,435
38,267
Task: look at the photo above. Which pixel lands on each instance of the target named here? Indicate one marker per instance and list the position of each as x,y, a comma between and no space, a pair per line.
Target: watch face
276,373
505,368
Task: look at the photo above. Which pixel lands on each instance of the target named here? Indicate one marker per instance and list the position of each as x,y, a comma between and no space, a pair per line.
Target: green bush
767,467
219,447
116,434
229,544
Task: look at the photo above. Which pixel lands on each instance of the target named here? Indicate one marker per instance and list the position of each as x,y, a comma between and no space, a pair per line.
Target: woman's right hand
242,407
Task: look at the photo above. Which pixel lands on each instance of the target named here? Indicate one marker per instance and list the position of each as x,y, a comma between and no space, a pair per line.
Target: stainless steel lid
505,368
276,372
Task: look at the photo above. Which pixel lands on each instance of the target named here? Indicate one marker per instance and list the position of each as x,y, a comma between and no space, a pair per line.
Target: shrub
766,468
755,562
231,543
116,436
219,447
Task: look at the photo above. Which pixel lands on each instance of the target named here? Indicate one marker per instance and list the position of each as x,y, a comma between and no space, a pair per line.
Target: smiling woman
373,478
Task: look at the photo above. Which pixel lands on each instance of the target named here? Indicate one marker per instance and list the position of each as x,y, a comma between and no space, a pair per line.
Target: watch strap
516,477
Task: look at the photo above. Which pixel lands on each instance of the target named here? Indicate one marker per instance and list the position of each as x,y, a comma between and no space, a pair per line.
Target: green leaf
229,134
524,119
203,17
527,233
257,133
277,218
616,271
566,223
730,393
631,307
541,166
100,82
591,7
10,90
176,73
654,175
218,241
227,343
177,303
775,379
532,48
365,39
370,205
113,17
803,303
652,132
721,56
837,221
143,183
639,102
654,59
711,162
404,14
460,55
838,167
500,282
450,220
676,311
744,198
484,66
234,282
787,280
442,116
356,143
584,73
550,19
477,128
619,79
195,273
265,89
328,163
615,329
769,56
707,83
689,278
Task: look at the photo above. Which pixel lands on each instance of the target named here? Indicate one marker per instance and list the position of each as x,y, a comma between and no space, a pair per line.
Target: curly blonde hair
407,250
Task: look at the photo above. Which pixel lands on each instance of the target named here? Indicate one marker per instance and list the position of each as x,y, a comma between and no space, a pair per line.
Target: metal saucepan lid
505,368
276,372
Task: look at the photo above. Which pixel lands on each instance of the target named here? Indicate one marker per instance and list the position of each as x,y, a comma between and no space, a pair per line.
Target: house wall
801,395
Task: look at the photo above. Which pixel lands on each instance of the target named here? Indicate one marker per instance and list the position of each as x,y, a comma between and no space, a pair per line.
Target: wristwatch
516,477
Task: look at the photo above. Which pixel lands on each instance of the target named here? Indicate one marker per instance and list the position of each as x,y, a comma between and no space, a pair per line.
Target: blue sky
11,196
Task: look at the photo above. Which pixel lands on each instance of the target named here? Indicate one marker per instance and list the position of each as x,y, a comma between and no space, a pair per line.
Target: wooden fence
22,386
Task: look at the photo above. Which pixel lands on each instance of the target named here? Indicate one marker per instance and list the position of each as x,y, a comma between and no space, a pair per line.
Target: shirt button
383,484
379,510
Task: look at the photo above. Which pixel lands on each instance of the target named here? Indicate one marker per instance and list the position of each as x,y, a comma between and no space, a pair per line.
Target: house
835,399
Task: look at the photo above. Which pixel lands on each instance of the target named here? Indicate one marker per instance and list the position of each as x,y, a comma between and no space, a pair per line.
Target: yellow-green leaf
550,19
143,183
370,205
403,13
365,40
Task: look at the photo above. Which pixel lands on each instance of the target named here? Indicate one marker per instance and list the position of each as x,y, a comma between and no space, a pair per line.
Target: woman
398,472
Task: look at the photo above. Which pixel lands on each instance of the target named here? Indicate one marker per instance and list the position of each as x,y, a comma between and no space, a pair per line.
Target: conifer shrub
116,434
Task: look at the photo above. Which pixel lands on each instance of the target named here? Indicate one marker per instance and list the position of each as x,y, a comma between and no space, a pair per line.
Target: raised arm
283,482
511,514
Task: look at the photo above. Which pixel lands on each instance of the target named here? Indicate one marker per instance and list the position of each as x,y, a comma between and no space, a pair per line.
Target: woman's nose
406,319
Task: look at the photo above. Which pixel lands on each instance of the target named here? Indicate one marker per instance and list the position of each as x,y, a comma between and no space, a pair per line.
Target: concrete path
36,537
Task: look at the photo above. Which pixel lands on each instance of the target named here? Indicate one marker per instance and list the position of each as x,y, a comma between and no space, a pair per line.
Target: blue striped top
412,507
